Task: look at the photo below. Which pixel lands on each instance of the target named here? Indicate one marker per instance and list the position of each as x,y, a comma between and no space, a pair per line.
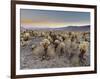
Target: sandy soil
29,61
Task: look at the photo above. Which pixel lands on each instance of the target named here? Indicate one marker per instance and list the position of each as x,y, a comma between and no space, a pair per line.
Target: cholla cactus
59,38
84,46
26,36
64,37
83,50
73,37
24,43
21,39
41,48
74,46
50,39
56,43
68,47
42,34
51,51
61,48
33,47
45,43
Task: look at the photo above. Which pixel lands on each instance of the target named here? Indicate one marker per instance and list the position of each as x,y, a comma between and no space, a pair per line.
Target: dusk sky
53,19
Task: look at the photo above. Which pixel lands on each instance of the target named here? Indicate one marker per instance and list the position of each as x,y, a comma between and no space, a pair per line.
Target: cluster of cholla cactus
57,44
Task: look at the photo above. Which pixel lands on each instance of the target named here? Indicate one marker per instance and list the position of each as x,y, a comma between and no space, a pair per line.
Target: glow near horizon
53,19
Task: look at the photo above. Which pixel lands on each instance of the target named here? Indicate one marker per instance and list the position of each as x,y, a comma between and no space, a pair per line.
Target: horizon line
55,27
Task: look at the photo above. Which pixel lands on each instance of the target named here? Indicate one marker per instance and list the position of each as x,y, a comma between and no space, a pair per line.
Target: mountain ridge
68,28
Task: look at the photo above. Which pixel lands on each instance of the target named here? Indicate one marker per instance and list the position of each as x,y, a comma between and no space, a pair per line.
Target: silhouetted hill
75,28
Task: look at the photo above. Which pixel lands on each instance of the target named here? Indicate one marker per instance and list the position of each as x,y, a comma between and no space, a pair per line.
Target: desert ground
54,49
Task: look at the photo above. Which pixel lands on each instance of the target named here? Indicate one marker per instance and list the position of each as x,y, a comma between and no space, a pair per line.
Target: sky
53,19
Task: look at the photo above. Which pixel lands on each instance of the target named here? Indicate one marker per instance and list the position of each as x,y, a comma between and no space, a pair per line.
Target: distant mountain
68,28
75,28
